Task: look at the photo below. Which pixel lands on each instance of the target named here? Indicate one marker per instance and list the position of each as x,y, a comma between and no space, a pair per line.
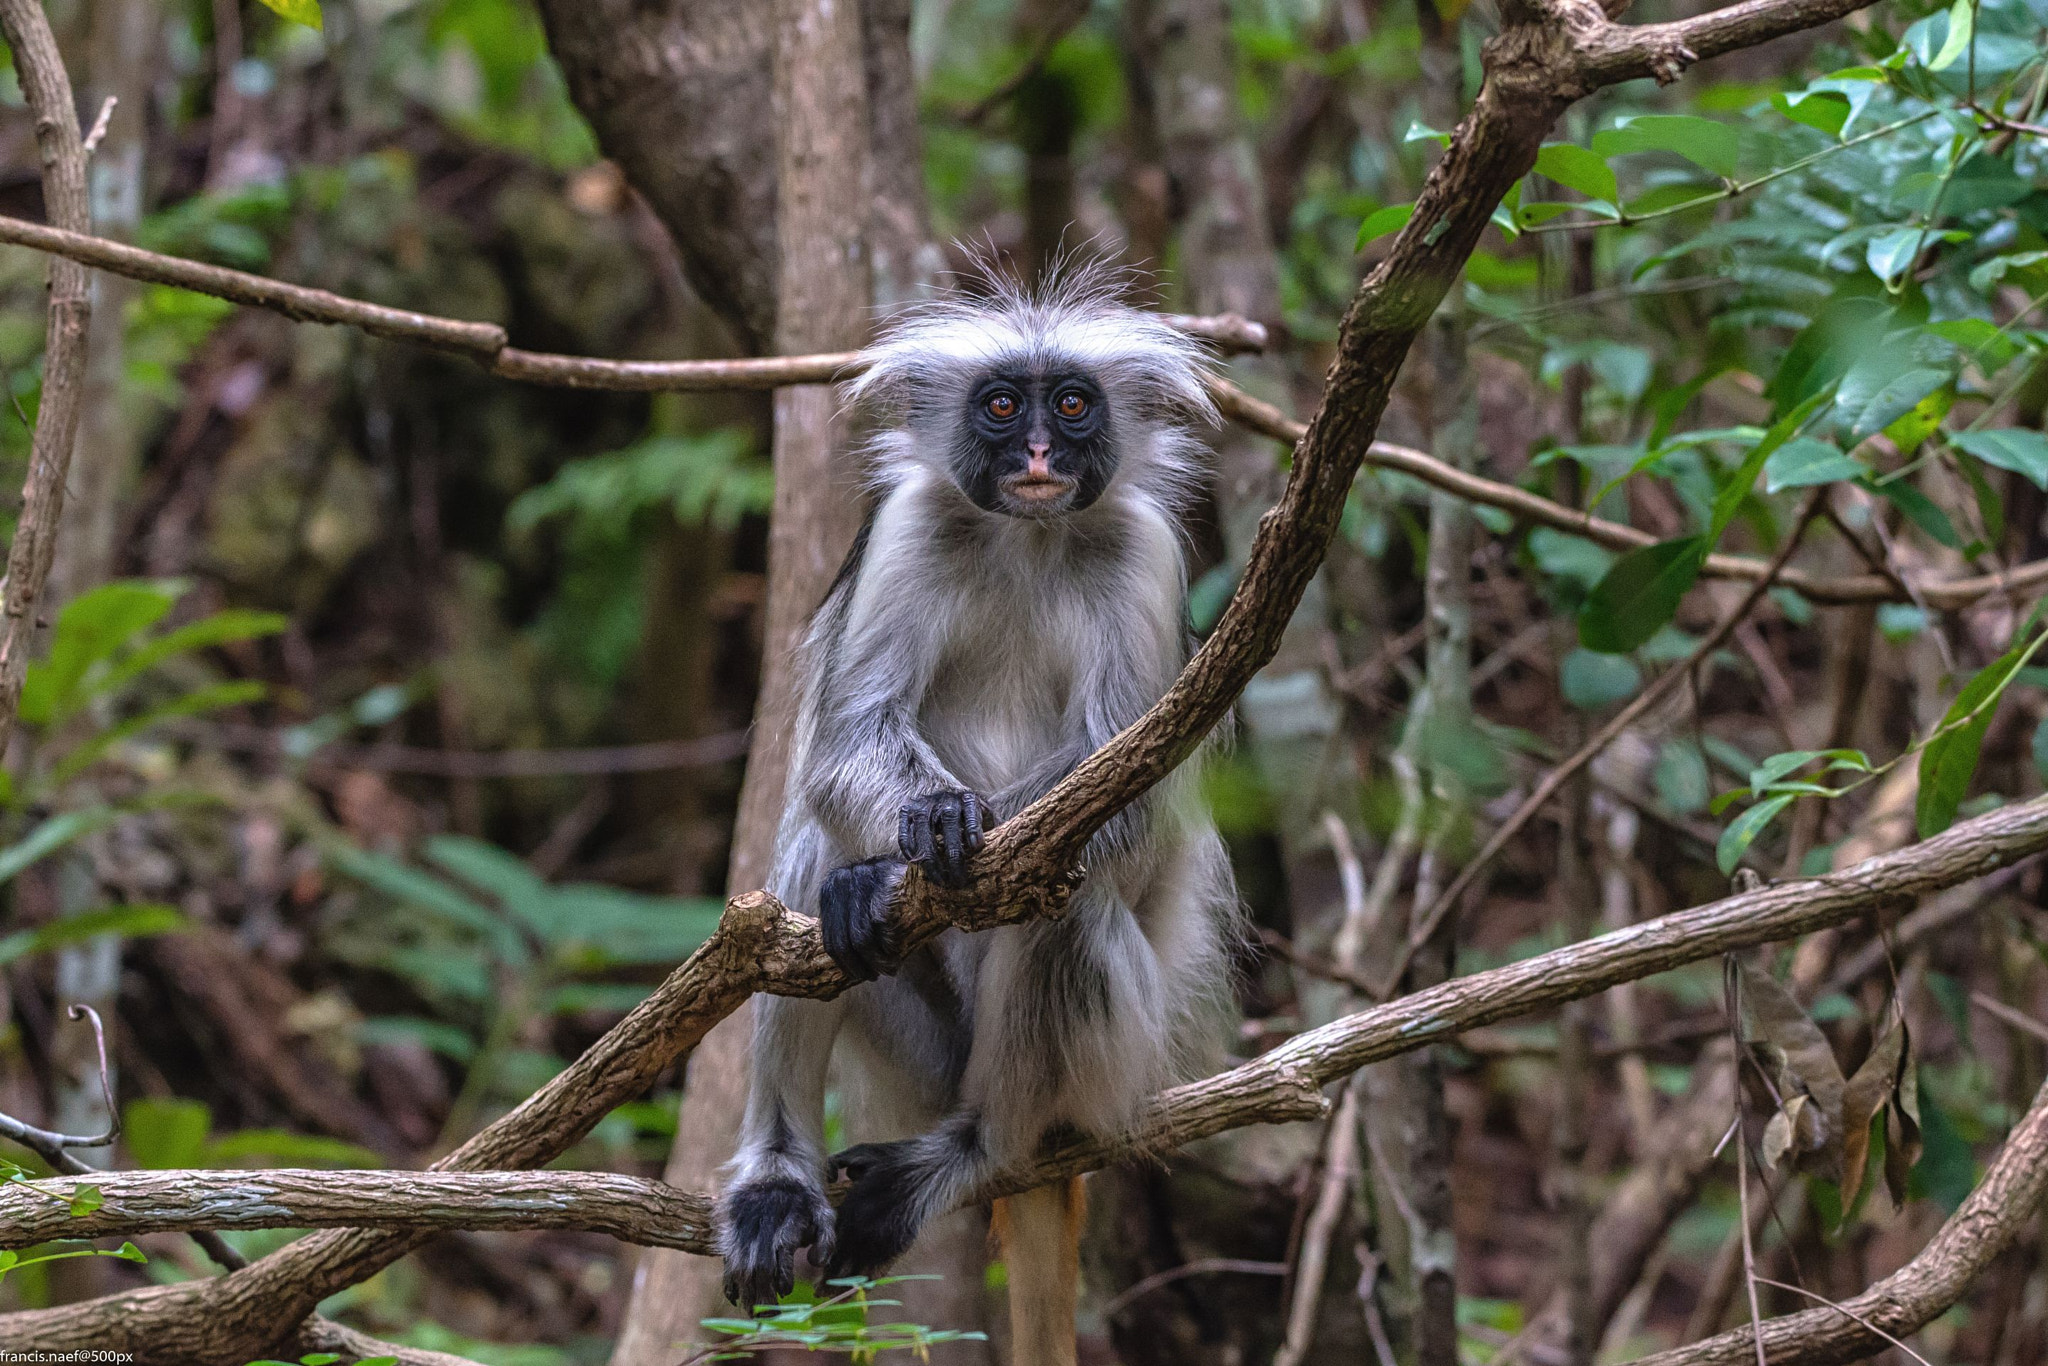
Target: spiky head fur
916,378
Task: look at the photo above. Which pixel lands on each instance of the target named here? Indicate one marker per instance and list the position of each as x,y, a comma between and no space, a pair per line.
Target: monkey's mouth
1041,492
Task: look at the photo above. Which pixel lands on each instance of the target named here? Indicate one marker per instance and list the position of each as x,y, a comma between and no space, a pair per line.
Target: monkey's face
1035,445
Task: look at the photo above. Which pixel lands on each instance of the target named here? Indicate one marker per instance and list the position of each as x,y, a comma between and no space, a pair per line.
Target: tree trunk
821,302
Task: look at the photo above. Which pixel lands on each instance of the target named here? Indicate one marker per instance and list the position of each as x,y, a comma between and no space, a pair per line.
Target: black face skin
1035,445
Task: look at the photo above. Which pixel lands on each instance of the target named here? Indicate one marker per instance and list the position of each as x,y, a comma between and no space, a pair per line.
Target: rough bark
630,1208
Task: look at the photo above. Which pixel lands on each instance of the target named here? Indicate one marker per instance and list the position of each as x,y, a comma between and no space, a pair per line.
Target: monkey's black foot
939,832
761,1227
881,1215
853,912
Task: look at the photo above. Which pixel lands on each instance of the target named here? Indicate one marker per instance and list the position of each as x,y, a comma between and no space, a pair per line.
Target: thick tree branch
2003,1204
628,1208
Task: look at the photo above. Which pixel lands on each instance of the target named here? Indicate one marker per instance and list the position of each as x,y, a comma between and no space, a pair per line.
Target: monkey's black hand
853,912
880,1217
939,832
763,1226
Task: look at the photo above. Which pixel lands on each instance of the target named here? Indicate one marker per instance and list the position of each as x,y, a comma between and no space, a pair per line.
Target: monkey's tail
1039,1233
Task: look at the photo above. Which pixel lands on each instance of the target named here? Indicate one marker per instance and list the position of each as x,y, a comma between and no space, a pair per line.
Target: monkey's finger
841,949
974,810
947,833
915,832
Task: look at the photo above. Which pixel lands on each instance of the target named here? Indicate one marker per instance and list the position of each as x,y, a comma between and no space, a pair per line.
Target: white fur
972,650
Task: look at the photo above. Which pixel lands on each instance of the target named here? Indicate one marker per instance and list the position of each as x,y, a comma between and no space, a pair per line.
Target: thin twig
1206,1266
1999,1010
99,125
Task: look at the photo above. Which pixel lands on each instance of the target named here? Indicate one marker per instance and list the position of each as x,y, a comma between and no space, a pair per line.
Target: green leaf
1950,759
163,1134
1807,461
2010,448
1581,170
1892,254
130,922
1961,23
1380,222
1640,594
1706,143
86,1199
1989,275
425,892
2040,749
305,12
1591,681
221,628
1681,777
90,628
1729,499
194,703
52,835
1743,830
1920,510
1826,110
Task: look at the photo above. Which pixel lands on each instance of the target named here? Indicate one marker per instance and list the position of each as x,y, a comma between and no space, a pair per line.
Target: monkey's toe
881,1215
940,832
853,914
764,1226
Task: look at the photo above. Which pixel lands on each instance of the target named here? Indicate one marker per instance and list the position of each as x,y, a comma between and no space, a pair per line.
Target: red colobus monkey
1017,598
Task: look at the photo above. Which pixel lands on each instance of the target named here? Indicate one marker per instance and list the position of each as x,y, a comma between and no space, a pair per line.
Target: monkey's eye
1072,405
1002,407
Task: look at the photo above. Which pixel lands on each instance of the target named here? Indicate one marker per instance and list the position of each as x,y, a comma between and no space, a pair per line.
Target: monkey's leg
1039,1233
774,1201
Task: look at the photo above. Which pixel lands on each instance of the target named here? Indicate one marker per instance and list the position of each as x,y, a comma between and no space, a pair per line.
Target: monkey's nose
1040,466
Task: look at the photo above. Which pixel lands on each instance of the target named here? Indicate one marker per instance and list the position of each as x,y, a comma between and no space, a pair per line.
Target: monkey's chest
997,708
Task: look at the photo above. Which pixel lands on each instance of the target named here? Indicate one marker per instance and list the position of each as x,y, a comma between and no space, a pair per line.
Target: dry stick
1340,1141
47,88
54,1148
2012,1019
1622,720
2002,1205
487,343
1204,1266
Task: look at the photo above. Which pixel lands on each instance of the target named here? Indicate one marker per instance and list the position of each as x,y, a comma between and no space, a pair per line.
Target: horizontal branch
2003,1204
488,343
629,1208
1609,53
1268,420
